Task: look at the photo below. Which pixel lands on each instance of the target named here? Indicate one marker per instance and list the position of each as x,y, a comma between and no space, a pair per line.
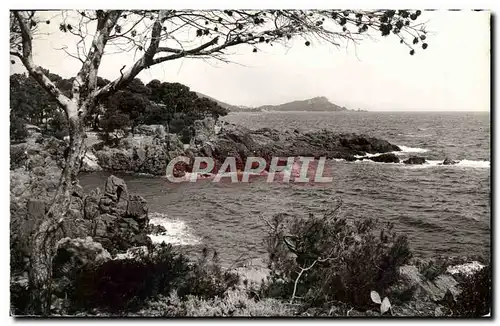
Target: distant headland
315,104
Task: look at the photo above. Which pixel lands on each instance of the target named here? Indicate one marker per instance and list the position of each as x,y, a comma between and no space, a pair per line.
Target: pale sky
452,74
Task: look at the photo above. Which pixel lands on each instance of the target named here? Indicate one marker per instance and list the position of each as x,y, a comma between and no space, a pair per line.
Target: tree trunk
44,241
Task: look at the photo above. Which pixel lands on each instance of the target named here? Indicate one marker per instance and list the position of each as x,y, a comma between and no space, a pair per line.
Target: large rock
75,227
103,225
415,160
117,234
435,289
241,143
449,161
385,158
156,157
113,217
91,204
151,153
116,196
204,131
367,144
116,159
150,130
122,220
138,210
90,163
140,154
36,168
74,254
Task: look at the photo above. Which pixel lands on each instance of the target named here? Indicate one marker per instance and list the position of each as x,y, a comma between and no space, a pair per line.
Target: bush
18,156
234,304
18,131
123,285
206,278
115,126
58,126
475,298
328,259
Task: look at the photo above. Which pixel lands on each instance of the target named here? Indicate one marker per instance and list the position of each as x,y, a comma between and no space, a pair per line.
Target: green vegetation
476,297
170,104
319,266
316,260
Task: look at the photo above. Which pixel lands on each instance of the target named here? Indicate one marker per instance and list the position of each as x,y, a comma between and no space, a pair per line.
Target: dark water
443,209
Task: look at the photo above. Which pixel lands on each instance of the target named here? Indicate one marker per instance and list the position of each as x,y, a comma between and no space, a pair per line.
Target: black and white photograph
224,162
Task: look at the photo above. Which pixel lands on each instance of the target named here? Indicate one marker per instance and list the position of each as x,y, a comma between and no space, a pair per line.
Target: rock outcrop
115,218
36,167
415,160
448,161
90,163
119,220
204,132
241,143
435,289
385,158
72,255
151,151
147,154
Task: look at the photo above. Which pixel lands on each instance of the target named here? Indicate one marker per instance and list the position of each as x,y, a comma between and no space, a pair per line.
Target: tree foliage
171,104
18,131
329,258
30,101
178,107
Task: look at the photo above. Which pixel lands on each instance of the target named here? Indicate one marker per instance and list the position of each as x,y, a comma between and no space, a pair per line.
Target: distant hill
230,107
314,104
317,104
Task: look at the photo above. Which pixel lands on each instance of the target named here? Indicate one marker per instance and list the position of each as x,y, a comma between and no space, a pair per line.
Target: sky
452,74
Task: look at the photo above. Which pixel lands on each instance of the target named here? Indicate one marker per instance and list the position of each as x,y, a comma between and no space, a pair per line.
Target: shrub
18,131
326,259
18,156
475,298
58,126
123,285
206,278
233,304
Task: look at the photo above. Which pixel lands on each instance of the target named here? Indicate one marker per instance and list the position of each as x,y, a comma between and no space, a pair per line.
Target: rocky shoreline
114,224
151,148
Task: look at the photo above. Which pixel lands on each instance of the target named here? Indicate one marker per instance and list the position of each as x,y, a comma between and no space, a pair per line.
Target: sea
444,210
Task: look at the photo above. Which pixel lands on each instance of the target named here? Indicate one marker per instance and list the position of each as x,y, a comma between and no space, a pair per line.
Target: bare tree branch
86,79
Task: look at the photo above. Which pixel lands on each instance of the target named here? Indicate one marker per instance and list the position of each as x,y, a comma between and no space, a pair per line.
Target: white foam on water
474,164
178,232
434,164
462,163
467,268
406,149
370,155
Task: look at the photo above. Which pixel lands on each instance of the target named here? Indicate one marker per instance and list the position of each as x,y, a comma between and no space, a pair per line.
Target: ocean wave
368,155
406,149
462,163
433,163
178,232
